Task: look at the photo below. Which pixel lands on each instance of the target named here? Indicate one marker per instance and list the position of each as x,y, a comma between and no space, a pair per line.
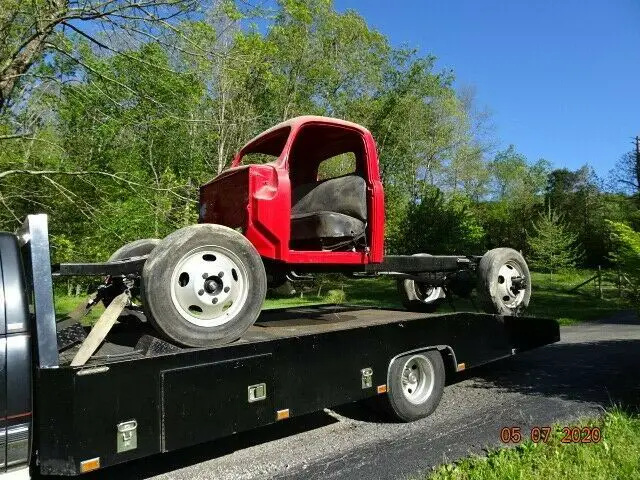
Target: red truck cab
318,199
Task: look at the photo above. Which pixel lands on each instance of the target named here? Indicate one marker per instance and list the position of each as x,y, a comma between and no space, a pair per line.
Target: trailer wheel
418,296
203,285
415,385
134,249
504,282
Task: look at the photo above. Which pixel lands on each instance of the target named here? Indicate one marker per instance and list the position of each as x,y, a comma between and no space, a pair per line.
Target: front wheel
203,285
504,282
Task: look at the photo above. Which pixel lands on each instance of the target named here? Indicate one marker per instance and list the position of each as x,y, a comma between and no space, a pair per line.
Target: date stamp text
543,434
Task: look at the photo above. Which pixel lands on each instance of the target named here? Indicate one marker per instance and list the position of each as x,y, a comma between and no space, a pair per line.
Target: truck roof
298,121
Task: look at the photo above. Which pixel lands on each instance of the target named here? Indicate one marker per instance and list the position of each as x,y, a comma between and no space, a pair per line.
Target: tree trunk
21,61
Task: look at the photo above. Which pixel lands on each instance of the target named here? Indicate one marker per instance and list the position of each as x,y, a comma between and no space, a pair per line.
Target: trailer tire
135,249
496,270
415,385
203,285
419,297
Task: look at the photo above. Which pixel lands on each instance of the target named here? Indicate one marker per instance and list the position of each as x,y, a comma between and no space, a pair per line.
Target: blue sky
562,78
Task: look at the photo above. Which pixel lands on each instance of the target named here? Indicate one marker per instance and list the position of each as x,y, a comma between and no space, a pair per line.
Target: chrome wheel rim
427,293
418,379
510,296
209,286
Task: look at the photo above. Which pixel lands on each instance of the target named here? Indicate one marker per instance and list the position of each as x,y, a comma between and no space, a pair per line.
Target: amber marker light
90,465
282,414
382,389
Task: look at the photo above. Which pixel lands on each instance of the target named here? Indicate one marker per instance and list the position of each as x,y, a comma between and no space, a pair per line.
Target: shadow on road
596,371
604,372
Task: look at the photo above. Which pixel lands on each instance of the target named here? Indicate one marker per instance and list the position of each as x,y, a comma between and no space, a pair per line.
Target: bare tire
203,285
504,282
418,296
415,385
135,249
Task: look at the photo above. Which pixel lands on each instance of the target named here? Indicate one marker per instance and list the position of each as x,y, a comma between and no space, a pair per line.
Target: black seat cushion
334,209
346,195
318,225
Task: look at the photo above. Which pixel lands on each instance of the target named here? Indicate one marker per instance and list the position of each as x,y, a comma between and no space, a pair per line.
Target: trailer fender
448,357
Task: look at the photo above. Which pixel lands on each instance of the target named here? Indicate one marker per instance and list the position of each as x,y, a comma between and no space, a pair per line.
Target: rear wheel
416,383
504,282
419,296
203,285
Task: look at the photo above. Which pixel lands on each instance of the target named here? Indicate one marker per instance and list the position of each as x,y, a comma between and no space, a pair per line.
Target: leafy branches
626,255
553,246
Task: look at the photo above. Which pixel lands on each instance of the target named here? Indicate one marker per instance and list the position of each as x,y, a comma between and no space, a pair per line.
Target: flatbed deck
128,341
134,341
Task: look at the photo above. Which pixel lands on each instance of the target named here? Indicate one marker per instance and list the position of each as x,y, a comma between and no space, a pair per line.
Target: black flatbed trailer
140,395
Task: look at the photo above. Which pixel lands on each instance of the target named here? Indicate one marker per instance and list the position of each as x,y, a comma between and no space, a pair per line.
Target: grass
615,456
550,297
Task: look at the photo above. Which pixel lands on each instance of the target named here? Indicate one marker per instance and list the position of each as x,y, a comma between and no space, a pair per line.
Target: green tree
516,194
116,132
553,247
438,224
625,177
626,255
578,197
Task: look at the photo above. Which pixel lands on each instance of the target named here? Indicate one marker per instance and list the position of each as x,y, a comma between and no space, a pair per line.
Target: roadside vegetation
615,456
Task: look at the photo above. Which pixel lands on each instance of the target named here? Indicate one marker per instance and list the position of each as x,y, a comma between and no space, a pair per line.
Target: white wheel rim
428,294
209,286
418,379
506,274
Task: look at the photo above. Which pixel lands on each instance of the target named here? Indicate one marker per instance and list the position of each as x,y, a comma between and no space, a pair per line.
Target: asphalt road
595,365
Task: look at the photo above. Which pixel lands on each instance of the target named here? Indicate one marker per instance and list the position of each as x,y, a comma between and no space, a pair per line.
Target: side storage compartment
222,397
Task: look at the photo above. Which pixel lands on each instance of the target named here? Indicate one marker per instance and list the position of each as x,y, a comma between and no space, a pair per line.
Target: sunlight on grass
551,297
